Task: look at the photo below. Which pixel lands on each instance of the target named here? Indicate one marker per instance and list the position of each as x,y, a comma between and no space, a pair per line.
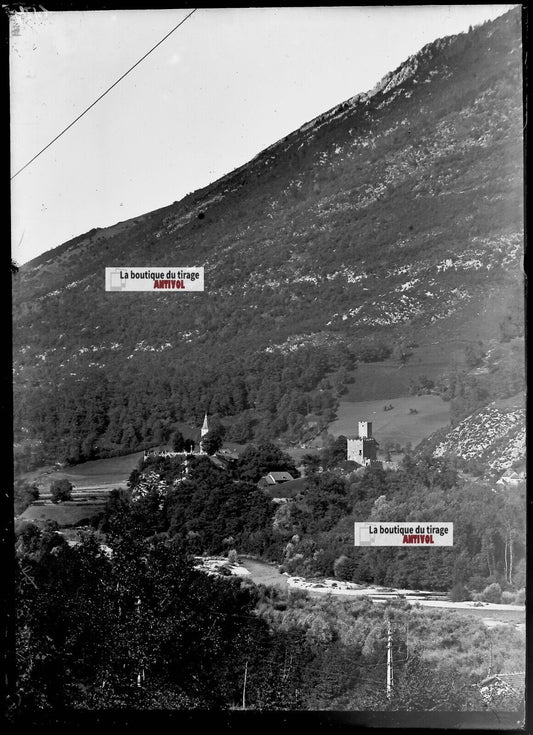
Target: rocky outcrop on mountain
494,436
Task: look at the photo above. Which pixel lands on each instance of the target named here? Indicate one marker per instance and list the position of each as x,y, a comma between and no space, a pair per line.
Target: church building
203,431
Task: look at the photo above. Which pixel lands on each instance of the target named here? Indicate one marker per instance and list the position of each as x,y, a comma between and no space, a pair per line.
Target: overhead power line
104,93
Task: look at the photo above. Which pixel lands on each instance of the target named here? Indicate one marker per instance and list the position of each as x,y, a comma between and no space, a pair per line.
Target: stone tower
365,429
362,448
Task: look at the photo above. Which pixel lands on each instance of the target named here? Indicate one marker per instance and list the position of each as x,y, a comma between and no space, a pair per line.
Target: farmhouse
284,492
223,459
274,478
511,684
363,448
511,478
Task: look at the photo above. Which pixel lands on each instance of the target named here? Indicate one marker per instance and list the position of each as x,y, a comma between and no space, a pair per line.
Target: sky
224,86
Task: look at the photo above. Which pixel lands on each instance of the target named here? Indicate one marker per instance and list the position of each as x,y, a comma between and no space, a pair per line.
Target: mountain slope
490,440
394,215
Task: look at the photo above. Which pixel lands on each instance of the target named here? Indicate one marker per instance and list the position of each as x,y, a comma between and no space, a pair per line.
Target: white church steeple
205,428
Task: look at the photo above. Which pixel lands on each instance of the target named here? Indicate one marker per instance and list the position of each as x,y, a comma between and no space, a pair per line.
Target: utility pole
491,660
390,675
244,686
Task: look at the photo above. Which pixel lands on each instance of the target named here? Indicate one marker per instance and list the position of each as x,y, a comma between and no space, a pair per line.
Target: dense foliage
61,490
97,416
213,510
24,494
122,619
489,528
203,506
398,215
134,625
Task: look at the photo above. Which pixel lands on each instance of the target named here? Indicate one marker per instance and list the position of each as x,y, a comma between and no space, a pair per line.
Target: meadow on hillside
397,424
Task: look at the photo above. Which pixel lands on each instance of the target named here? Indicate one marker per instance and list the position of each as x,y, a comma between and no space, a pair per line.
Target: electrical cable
104,94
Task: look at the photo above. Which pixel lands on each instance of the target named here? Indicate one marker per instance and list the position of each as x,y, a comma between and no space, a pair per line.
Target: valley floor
261,572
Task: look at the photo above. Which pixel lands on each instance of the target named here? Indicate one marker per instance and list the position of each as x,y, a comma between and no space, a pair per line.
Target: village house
284,492
274,478
511,478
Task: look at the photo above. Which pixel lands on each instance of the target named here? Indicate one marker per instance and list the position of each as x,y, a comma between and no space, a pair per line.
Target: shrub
61,490
492,593
477,583
508,598
343,568
24,495
521,596
295,565
519,574
459,593
232,556
296,593
28,536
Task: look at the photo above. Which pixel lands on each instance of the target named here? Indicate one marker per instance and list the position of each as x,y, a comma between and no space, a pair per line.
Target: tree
211,442
492,593
399,353
140,628
27,537
242,430
343,567
189,445
474,354
178,442
232,556
311,463
61,490
420,687
386,448
254,462
335,453
119,501
24,495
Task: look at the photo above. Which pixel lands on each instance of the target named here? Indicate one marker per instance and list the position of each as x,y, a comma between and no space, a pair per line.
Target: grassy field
396,425
96,473
69,513
388,379
516,401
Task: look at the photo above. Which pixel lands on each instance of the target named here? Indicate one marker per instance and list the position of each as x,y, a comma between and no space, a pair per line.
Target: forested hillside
394,217
132,624
211,511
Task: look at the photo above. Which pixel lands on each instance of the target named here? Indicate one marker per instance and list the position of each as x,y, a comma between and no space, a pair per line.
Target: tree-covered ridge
132,624
210,510
98,415
392,213
489,529
138,627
